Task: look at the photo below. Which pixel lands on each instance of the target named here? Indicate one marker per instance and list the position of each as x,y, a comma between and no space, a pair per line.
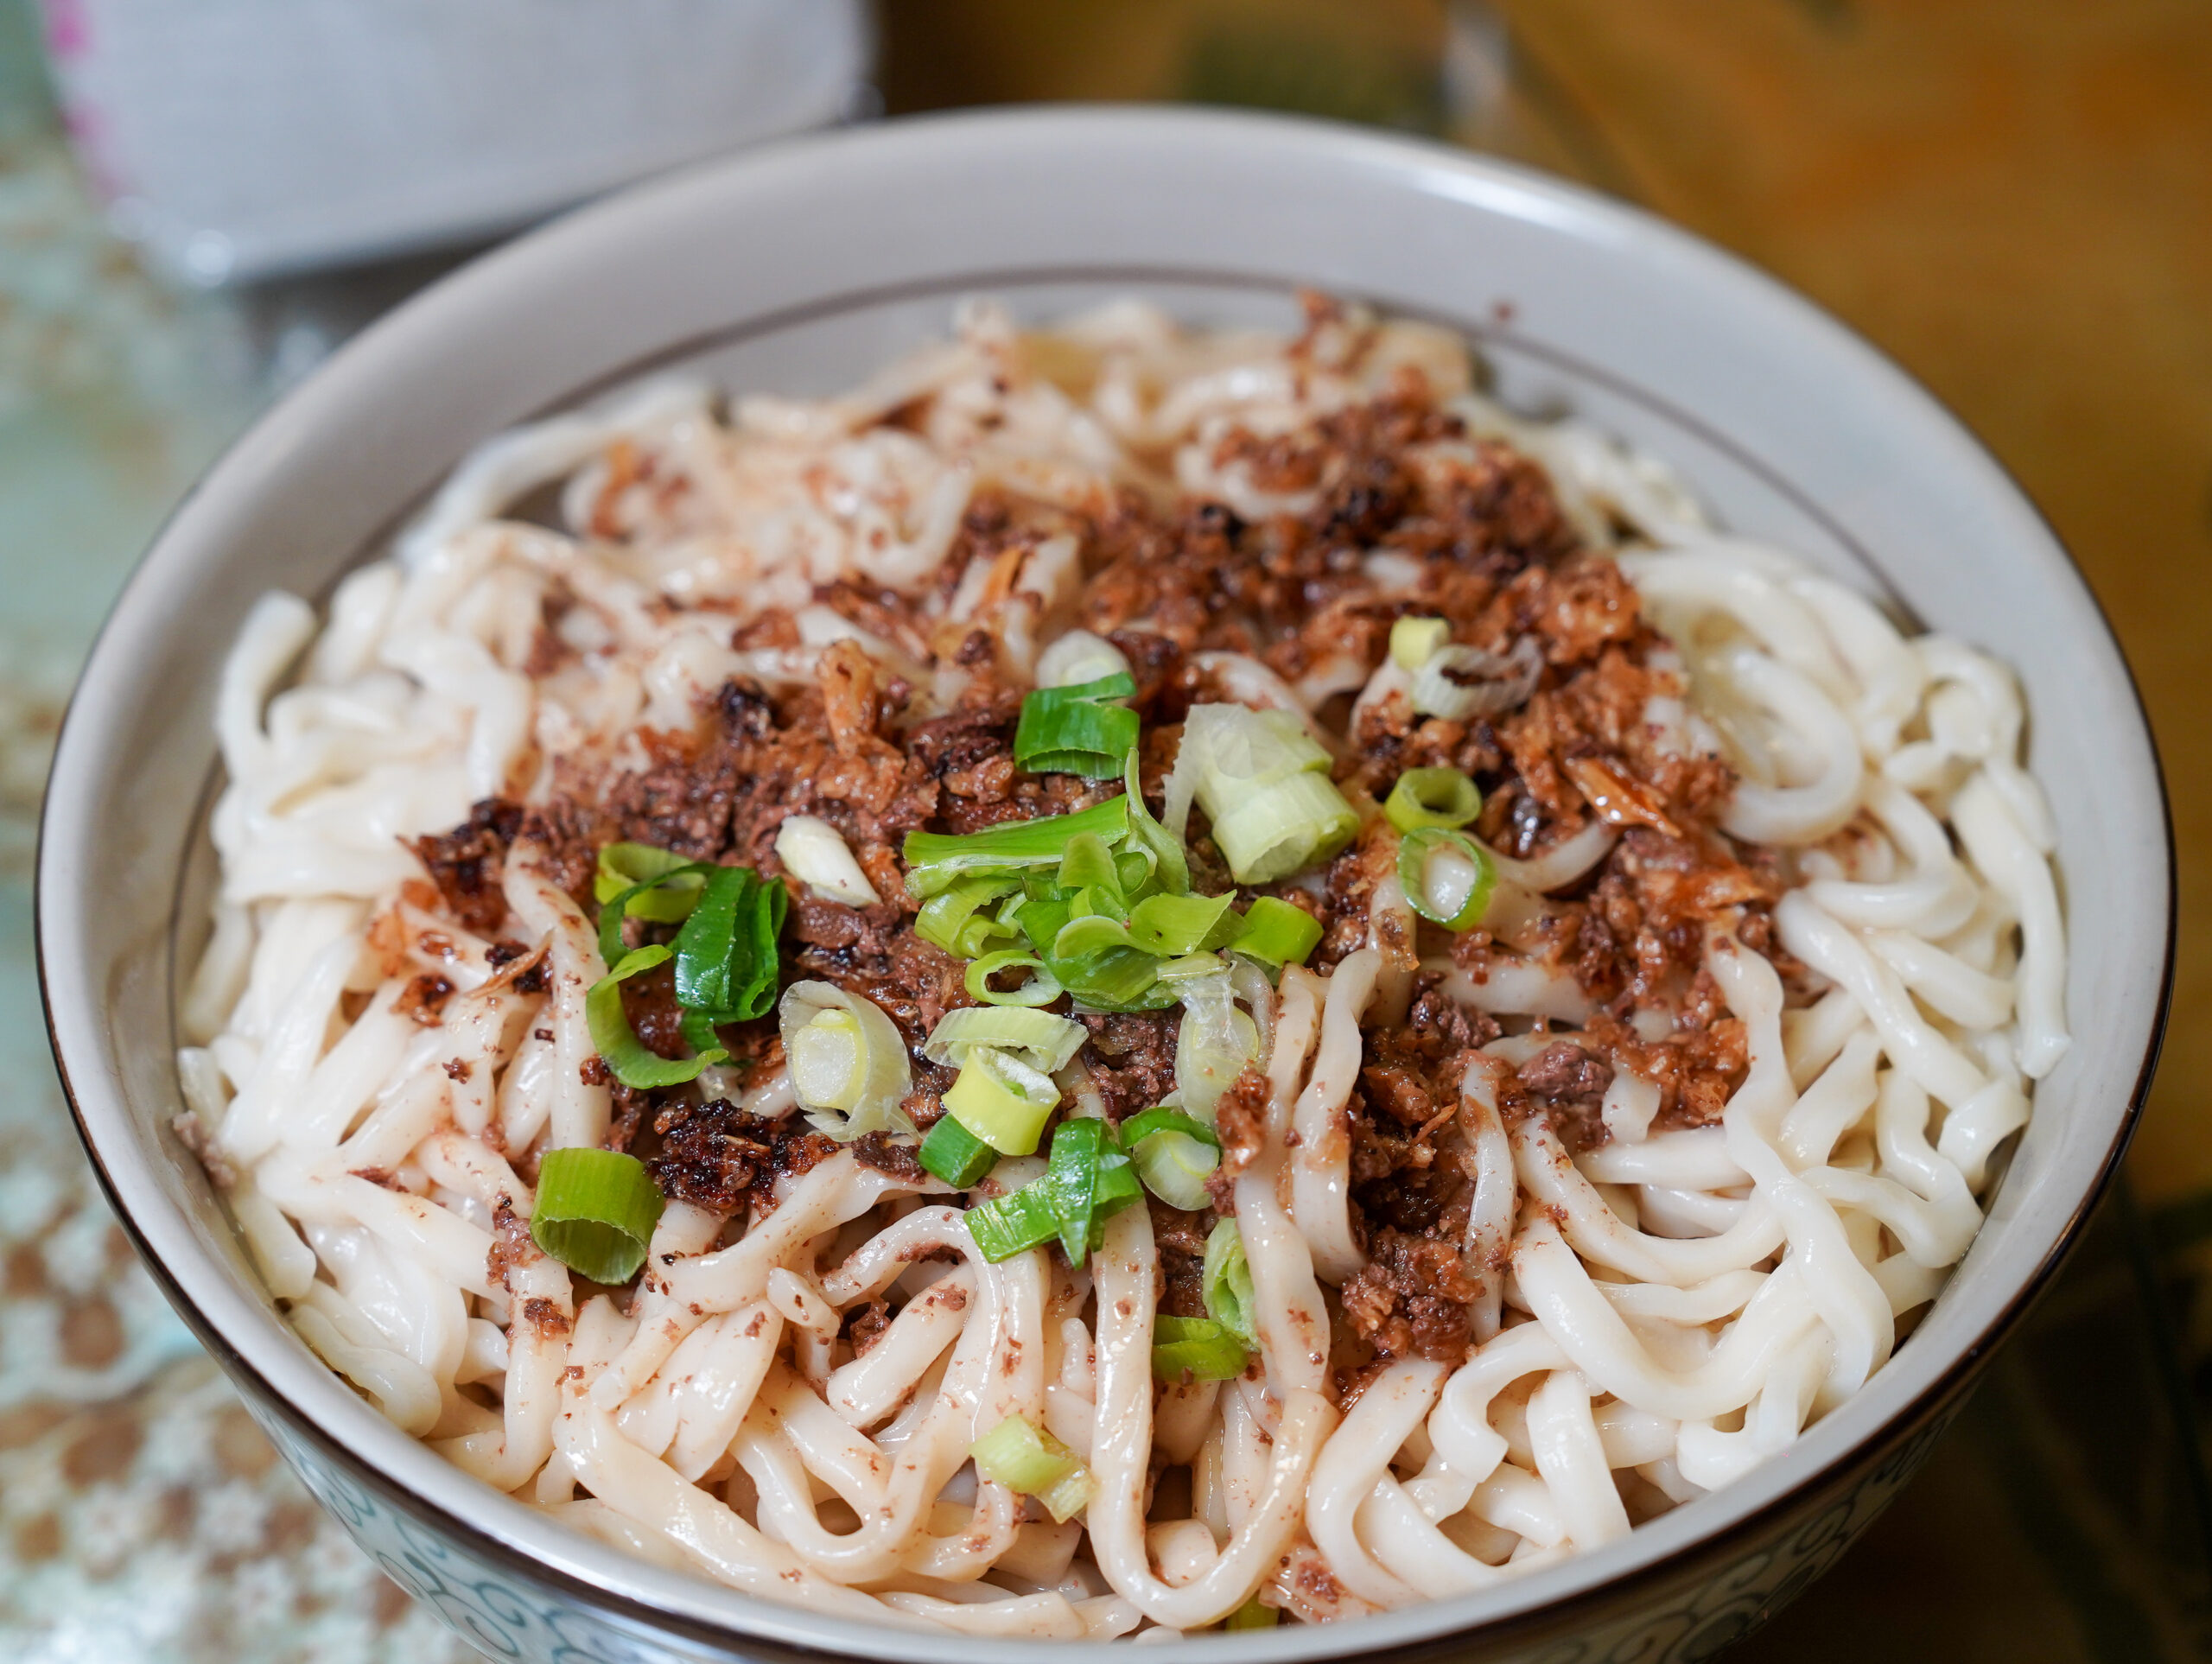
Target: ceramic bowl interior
800,269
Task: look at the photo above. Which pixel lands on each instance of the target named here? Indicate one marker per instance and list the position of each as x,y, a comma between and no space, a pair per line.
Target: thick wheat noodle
1652,1317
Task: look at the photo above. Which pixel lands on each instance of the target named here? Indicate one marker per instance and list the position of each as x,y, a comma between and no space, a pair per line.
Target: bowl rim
608,1581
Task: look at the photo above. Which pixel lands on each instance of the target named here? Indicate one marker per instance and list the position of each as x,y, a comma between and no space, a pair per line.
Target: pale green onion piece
1173,926
1276,933
1283,829
1077,656
1043,1041
1447,876
625,866
961,920
1040,987
1195,1348
1174,1167
1460,682
1432,797
1217,1038
1087,863
1252,1616
1024,1458
596,1212
1227,1284
1228,751
936,861
848,1063
1002,1100
1149,839
1413,640
815,854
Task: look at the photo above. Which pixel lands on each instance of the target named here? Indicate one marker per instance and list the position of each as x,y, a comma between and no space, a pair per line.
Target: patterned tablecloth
143,1517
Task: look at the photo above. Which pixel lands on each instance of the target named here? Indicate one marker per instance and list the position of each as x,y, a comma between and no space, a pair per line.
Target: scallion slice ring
1432,797
596,1212
1447,876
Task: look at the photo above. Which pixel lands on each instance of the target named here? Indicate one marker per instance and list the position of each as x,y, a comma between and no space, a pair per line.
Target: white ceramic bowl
799,268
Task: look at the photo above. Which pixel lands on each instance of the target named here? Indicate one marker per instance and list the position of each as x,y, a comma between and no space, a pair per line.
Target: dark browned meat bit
711,1156
1132,1058
467,863
865,1326
1411,1299
887,1154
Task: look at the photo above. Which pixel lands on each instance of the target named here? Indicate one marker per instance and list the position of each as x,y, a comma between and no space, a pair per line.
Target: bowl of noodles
1146,879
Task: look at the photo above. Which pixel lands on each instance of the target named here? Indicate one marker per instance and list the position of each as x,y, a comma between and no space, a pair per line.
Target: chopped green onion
638,899
1276,933
1001,1100
1447,876
641,869
1085,1183
1173,926
1079,656
1432,797
618,1047
1252,1616
1071,1178
726,961
1217,1038
1076,730
1171,865
1166,1119
1412,640
934,861
1195,1348
824,1055
956,1155
848,1063
1087,863
1013,1224
595,1211
954,918
1227,1283
1041,988
1173,1154
1023,1458
1280,828
815,854
1043,1041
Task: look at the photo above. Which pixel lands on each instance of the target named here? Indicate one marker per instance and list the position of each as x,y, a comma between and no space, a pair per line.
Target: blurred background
199,201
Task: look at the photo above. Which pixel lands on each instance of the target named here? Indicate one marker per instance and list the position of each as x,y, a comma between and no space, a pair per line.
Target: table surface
2014,197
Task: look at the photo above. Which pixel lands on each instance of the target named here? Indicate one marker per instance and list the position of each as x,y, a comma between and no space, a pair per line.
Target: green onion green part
1014,1223
1039,987
957,918
936,861
1227,1284
1195,1348
1276,933
1432,797
726,963
956,1155
1077,730
665,882
1024,1458
618,1047
596,1212
1448,877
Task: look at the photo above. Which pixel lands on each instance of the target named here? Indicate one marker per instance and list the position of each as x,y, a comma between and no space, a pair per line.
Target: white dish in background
796,270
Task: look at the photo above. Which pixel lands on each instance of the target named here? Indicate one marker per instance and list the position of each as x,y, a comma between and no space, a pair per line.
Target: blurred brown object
2013,197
